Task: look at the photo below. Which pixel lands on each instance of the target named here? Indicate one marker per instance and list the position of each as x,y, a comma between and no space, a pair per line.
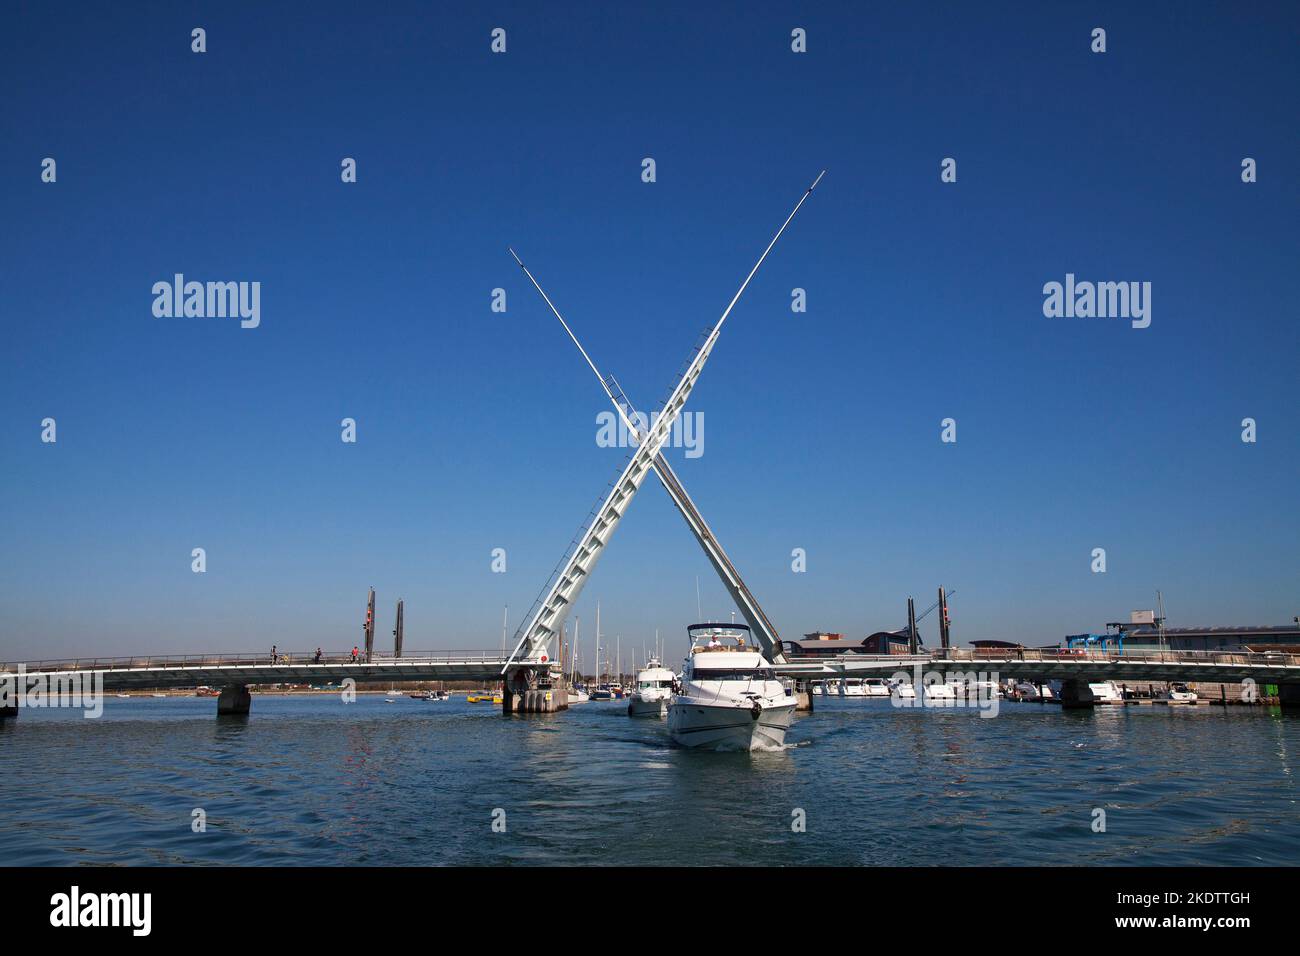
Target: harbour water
311,780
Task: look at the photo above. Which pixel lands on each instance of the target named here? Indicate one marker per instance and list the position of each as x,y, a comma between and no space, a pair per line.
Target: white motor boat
851,687
654,688
1181,694
729,698
900,689
578,696
1106,692
1034,692
864,687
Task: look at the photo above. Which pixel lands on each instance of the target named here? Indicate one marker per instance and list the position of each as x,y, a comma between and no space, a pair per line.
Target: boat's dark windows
719,674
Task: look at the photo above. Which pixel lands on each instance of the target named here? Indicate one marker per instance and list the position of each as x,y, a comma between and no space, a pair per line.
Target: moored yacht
900,689
654,687
728,697
864,687
1106,692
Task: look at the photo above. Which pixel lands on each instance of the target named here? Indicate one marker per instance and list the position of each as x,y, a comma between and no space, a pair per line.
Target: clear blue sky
477,430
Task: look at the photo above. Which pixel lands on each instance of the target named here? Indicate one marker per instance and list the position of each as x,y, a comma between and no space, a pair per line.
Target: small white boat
864,687
654,688
900,689
1027,691
1106,692
851,687
944,691
578,696
1180,694
729,697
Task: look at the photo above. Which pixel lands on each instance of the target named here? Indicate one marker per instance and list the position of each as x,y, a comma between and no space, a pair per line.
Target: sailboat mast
573,659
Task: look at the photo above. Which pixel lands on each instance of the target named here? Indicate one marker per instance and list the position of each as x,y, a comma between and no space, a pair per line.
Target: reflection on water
315,781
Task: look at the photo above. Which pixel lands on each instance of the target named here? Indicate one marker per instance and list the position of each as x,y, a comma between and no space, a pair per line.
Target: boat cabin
712,638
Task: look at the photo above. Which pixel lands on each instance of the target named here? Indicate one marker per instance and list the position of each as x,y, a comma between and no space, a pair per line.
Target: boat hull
713,726
636,707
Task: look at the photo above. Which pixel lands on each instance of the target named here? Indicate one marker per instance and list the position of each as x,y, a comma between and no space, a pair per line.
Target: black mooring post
397,632
911,626
943,619
370,625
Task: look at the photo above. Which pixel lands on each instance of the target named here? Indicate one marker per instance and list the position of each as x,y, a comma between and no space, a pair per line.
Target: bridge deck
218,670
1046,665
125,673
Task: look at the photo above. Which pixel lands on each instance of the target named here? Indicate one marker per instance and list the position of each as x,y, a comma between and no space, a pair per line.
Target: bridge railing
249,659
1252,658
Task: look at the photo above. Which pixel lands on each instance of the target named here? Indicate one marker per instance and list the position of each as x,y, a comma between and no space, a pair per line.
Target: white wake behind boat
654,688
729,697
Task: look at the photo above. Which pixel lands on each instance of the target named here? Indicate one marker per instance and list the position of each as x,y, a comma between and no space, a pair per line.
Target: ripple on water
313,781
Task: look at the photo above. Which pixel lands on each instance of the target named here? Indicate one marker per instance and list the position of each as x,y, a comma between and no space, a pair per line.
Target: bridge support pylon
1076,694
1288,696
519,695
8,710
234,699
803,697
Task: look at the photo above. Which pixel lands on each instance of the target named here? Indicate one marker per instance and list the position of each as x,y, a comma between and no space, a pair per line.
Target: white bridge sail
544,625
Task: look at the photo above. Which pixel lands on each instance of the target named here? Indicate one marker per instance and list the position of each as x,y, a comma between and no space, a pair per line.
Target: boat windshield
653,684
747,674
720,637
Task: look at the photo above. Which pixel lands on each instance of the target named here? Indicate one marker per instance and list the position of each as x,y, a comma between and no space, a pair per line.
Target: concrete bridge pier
1288,696
1076,694
544,700
518,696
803,697
234,699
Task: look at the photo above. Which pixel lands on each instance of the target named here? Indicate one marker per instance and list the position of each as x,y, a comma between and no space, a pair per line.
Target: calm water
314,781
